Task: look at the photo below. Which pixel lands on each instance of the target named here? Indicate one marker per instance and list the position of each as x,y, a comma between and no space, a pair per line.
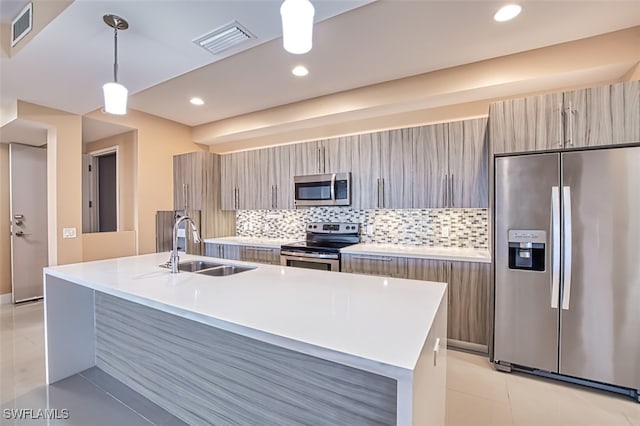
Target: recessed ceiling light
507,12
300,71
197,101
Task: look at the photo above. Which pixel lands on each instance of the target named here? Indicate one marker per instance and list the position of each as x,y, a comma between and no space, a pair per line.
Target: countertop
421,252
374,323
253,241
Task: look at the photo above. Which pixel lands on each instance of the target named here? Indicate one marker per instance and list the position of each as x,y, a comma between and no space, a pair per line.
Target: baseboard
5,299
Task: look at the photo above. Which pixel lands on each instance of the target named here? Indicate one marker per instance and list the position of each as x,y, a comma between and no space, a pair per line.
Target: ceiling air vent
224,38
21,25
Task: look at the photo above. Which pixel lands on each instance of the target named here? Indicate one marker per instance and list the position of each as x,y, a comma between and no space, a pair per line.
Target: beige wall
158,141
107,245
126,144
64,179
5,238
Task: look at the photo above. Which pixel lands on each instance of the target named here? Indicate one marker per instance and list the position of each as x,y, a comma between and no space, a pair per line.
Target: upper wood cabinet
382,169
468,164
431,168
451,163
594,116
234,181
188,180
442,165
196,186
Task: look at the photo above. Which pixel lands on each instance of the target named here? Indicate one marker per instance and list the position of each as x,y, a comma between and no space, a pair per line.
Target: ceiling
356,44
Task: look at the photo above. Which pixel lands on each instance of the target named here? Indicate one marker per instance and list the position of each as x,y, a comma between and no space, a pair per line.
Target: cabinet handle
271,196
383,259
184,195
569,121
436,351
559,127
258,248
451,200
378,193
383,193
446,190
318,161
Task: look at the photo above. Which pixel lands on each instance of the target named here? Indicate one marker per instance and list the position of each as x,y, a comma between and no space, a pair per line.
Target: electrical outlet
369,229
68,232
445,231
245,226
265,228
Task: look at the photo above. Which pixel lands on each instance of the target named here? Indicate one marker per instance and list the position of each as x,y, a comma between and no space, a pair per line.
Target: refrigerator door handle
566,201
555,246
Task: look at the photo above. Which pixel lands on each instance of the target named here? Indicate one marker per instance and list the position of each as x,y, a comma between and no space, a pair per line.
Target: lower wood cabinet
469,307
269,255
222,251
387,266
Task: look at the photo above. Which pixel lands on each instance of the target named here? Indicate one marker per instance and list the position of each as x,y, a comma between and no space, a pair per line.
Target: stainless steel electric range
321,248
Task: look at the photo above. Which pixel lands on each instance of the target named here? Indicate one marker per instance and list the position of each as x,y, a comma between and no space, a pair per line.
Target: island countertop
374,323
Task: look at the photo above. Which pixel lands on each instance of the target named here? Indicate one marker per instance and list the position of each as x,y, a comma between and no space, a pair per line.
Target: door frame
107,151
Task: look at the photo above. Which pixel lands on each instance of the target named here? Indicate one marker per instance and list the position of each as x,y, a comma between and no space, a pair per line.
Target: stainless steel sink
197,265
210,268
224,270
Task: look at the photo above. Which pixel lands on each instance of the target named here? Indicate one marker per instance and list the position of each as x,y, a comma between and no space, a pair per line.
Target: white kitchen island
273,345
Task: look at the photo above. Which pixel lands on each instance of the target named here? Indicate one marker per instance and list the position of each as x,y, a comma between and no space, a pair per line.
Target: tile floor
476,393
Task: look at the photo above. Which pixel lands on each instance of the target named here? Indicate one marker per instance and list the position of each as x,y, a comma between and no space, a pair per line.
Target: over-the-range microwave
333,189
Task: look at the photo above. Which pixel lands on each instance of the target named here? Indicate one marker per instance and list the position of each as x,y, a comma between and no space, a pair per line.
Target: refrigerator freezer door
526,311
600,337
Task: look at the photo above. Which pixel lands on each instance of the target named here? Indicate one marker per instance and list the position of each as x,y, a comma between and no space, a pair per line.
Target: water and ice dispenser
527,249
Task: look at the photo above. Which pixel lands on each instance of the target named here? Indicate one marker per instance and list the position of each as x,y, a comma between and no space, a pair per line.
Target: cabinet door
469,303
188,175
281,171
602,115
387,266
227,182
526,124
396,172
428,270
213,250
430,153
306,158
468,164
254,183
260,254
365,171
337,154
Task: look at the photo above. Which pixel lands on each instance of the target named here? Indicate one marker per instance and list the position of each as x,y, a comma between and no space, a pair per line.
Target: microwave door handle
333,187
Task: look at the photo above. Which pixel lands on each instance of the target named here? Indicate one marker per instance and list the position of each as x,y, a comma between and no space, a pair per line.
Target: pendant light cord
115,54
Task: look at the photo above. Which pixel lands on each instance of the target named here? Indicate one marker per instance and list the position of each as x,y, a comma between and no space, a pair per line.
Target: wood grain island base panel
202,374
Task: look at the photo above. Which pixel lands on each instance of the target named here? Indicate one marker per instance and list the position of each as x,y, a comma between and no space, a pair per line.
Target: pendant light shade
297,25
115,98
115,94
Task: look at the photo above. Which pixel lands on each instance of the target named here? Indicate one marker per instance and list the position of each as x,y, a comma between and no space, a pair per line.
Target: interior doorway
100,191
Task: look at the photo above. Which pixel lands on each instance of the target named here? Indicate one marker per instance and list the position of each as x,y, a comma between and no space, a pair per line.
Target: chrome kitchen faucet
175,258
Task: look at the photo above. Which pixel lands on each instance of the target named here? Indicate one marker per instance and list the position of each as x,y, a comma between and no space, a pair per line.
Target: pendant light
115,94
297,25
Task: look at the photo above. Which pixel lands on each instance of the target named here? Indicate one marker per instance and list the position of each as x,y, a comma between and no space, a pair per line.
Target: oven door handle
309,255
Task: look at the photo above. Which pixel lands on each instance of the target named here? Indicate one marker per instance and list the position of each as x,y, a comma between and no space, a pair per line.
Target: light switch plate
68,232
445,231
369,229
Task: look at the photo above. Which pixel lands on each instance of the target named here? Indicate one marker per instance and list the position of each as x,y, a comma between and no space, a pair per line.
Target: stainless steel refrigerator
567,264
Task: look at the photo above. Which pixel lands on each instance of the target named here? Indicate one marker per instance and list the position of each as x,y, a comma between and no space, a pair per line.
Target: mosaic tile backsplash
467,228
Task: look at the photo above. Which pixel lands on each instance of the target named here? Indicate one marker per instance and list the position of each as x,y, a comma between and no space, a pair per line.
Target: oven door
323,262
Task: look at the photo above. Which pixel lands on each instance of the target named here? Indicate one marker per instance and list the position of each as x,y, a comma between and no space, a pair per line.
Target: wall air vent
224,38
21,25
